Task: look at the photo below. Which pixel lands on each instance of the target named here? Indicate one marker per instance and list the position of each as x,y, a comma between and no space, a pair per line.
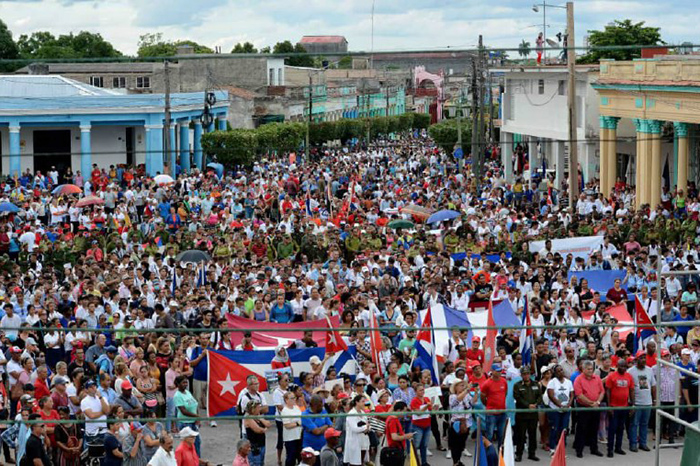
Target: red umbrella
67,189
90,200
417,211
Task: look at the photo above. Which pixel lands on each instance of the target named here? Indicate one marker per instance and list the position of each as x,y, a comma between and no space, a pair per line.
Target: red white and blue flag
645,327
426,354
270,335
226,380
526,337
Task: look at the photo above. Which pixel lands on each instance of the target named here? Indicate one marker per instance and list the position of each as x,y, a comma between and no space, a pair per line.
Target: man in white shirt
94,407
164,455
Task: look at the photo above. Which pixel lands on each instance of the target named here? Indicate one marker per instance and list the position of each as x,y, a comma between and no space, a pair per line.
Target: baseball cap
90,383
309,452
15,349
476,339
111,349
126,385
342,395
30,341
639,354
686,351
331,432
188,432
58,380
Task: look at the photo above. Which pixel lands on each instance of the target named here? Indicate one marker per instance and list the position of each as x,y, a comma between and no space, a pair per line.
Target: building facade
660,97
324,44
50,121
534,113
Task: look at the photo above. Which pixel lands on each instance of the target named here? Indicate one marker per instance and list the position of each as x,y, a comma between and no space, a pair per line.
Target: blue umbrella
443,215
8,207
218,168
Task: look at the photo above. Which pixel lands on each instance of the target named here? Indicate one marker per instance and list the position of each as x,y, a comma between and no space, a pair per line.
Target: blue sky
398,24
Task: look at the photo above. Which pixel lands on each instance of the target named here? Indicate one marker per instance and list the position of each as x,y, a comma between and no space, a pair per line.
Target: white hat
188,432
309,451
314,360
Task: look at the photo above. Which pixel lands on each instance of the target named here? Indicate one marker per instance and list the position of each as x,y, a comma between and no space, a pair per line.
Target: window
143,82
96,81
562,87
271,78
540,86
280,80
119,82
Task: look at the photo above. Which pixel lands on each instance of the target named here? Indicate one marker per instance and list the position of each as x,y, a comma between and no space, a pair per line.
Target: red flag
559,457
375,340
334,342
226,380
618,312
490,340
271,335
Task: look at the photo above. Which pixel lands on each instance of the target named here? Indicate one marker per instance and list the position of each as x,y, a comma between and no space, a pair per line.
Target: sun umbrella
416,210
396,224
193,255
163,179
67,189
90,200
8,207
443,215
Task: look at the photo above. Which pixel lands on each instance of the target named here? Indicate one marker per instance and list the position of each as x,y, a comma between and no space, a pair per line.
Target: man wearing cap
94,407
493,395
58,394
185,454
309,456
314,428
644,393
14,369
130,404
620,390
474,353
527,395
328,454
105,363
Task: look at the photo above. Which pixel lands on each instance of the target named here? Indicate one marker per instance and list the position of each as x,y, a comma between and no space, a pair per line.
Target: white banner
578,247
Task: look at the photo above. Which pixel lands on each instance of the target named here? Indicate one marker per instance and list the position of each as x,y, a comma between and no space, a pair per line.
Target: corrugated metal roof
322,39
47,86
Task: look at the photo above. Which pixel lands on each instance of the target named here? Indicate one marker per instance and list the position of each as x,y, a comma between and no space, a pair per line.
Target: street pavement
219,444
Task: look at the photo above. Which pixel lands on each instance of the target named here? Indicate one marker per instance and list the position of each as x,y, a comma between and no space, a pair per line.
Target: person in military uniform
527,395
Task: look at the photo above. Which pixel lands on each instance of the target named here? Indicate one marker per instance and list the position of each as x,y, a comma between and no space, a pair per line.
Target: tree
44,45
245,47
8,48
153,45
524,49
286,47
265,49
621,33
283,47
345,63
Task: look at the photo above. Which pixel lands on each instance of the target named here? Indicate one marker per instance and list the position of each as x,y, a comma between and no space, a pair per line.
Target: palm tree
524,48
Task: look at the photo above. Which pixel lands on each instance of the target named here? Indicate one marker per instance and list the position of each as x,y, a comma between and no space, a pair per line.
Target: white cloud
399,24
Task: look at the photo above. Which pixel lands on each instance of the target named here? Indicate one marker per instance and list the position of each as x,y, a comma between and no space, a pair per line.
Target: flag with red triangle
375,340
334,342
426,355
645,327
490,339
226,380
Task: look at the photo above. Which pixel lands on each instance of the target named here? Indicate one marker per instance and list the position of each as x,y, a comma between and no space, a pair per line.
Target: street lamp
536,9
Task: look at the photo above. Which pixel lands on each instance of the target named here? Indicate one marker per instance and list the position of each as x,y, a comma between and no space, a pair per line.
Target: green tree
245,47
44,45
345,63
198,48
153,45
8,48
283,47
524,49
446,133
87,44
265,49
621,33
286,47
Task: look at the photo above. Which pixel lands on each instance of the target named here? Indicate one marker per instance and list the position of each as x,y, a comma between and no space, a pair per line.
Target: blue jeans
557,423
420,441
639,428
170,411
496,422
257,459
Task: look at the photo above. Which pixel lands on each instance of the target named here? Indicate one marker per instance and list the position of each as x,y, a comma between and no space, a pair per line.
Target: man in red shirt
620,389
474,352
589,392
493,395
185,453
420,423
477,375
395,435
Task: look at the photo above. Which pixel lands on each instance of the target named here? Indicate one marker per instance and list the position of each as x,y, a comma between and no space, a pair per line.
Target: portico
53,121
661,97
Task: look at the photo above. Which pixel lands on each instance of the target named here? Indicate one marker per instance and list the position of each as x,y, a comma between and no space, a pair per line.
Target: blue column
15,152
222,123
154,149
85,151
173,151
198,144
210,126
185,146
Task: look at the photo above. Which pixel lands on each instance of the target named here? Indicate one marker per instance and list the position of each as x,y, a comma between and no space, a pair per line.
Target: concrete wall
199,74
240,113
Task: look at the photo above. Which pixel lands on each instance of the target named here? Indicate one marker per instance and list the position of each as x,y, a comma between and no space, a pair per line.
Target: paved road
218,446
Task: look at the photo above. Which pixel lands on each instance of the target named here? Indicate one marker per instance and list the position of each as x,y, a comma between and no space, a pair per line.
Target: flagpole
479,439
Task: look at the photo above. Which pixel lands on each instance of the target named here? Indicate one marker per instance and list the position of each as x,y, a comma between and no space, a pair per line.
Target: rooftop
322,39
47,86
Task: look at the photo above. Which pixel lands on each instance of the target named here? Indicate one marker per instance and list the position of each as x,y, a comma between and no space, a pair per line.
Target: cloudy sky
398,24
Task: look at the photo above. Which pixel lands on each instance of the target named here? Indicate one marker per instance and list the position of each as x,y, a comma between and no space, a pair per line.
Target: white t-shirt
163,458
562,390
13,366
95,405
278,399
72,391
295,433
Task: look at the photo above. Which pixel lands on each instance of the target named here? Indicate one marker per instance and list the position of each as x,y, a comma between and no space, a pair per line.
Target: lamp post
536,9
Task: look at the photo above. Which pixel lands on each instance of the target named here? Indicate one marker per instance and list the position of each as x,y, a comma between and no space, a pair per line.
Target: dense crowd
296,240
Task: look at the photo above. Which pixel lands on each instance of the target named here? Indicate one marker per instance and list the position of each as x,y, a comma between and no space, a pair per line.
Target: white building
535,112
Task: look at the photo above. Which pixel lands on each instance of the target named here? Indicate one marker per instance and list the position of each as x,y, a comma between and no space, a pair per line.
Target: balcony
665,71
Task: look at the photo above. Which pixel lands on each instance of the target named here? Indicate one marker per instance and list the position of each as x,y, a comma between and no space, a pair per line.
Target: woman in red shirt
281,359
395,435
420,423
47,413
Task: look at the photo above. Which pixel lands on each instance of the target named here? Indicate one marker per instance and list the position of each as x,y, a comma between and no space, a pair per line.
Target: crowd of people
96,310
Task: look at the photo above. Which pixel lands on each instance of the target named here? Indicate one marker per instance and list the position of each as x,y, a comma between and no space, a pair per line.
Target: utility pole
475,103
490,97
571,65
308,120
482,82
166,126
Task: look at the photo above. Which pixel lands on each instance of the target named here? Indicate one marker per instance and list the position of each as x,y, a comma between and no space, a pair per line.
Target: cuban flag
174,284
307,203
526,337
201,276
644,326
502,316
446,317
426,355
